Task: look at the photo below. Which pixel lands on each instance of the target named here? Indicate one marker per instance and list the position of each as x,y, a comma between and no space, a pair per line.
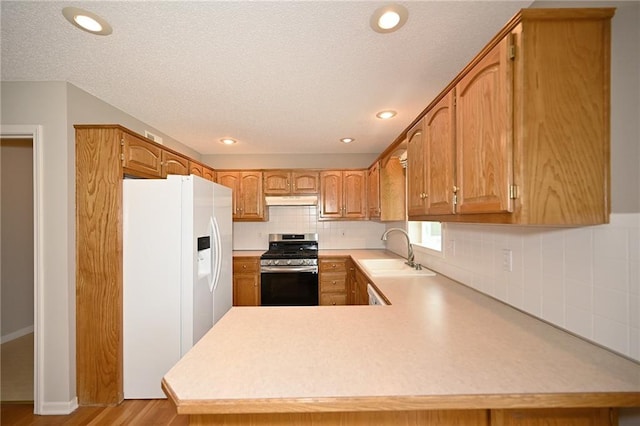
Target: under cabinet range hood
291,200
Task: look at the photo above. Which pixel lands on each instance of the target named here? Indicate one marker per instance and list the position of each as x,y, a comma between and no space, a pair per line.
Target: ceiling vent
155,138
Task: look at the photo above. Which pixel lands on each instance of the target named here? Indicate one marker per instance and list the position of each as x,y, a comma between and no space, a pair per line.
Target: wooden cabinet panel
140,157
343,194
173,164
290,182
209,174
440,156
355,194
246,281
304,182
393,183
252,201
554,417
331,194
247,195
362,296
277,182
195,169
484,123
231,180
373,191
416,190
99,264
333,276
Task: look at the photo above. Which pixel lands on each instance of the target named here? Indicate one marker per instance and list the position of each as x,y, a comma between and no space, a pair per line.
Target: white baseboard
58,408
16,334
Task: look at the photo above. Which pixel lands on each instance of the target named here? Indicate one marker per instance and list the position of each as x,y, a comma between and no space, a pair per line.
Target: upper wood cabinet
392,189
173,164
290,182
140,157
440,145
248,198
484,134
373,191
195,169
531,128
416,171
343,194
208,174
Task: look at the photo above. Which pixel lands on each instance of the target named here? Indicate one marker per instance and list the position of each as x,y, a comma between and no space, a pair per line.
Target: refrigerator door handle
216,254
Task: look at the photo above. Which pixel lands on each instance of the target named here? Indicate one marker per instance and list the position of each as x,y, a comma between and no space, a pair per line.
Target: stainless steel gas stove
289,270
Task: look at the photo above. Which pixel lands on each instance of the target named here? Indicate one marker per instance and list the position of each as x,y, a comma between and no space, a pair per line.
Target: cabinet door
231,180
440,156
277,182
331,194
355,194
246,281
416,192
373,191
304,182
484,134
209,174
251,200
195,169
140,156
173,164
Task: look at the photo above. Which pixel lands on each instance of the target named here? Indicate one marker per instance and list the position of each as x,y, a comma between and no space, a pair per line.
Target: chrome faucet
410,257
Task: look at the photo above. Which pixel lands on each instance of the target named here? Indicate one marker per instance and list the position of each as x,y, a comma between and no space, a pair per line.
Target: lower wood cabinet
333,277
246,281
469,417
361,294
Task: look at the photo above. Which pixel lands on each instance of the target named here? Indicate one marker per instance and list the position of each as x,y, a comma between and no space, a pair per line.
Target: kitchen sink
392,268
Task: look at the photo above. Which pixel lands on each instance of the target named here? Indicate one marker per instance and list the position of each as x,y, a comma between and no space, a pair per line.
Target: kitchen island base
519,417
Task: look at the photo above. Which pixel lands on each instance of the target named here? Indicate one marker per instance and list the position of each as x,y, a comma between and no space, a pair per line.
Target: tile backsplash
304,219
585,280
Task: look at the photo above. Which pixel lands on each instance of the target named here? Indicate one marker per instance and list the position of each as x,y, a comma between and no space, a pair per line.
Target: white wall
304,219
17,238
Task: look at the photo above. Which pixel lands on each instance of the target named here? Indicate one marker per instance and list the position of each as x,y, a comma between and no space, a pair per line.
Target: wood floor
154,412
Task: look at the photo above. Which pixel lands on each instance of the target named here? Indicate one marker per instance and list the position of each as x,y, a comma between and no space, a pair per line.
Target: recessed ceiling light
228,141
87,21
385,115
347,140
389,18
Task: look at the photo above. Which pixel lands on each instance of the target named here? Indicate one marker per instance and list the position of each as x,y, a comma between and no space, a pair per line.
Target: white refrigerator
177,254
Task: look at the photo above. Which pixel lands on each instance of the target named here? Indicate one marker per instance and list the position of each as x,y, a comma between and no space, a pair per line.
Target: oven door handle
285,269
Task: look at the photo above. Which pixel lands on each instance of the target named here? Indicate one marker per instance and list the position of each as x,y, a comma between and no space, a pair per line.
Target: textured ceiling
280,77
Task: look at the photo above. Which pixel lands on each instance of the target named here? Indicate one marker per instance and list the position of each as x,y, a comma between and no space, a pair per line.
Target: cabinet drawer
333,299
333,283
333,265
246,264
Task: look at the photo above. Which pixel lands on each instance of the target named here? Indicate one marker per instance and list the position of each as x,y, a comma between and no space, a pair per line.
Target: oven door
289,286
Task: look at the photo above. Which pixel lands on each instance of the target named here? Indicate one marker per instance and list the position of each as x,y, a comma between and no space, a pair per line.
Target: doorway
16,270
20,269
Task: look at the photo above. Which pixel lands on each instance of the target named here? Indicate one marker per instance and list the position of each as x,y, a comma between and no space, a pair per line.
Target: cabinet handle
333,303
333,282
244,266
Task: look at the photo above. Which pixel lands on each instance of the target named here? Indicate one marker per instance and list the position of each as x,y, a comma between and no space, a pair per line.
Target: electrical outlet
507,260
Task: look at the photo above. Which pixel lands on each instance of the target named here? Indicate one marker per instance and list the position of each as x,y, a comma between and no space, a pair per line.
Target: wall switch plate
507,260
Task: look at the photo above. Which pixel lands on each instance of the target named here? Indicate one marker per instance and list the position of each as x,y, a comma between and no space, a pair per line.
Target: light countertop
438,345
